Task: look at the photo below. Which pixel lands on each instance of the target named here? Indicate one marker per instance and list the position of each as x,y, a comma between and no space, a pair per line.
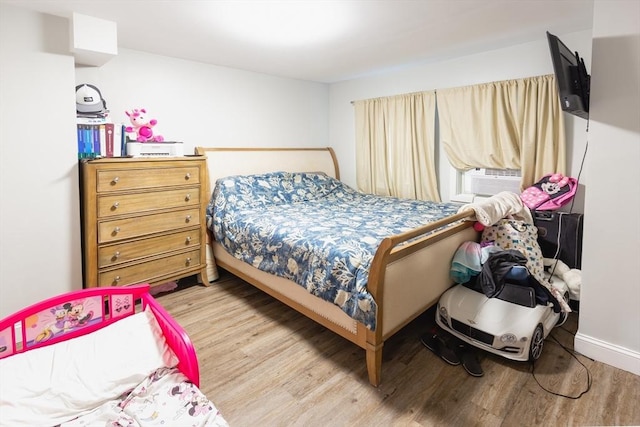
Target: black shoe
440,347
470,361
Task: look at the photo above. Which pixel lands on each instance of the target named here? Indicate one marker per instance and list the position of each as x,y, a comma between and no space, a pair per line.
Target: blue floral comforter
314,230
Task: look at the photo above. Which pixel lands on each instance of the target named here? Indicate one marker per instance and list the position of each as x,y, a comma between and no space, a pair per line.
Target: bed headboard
228,161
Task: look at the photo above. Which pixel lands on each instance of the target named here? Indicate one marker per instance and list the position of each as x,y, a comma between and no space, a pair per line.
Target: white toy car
512,324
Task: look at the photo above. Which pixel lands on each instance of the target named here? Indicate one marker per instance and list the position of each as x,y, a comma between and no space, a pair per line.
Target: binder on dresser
563,230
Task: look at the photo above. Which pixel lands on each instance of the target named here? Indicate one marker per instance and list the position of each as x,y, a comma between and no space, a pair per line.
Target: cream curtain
395,146
543,147
513,124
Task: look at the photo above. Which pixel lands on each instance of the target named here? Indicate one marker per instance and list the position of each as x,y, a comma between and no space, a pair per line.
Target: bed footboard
408,274
177,339
82,312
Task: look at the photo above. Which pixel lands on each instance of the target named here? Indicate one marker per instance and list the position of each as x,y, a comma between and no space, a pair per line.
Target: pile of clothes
509,239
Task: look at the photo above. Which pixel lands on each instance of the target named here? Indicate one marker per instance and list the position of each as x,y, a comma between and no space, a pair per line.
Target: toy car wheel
537,342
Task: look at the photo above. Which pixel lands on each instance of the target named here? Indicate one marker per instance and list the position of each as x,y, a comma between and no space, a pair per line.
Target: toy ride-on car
512,324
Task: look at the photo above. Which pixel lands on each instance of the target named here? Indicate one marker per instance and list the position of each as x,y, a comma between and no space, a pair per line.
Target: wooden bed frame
404,280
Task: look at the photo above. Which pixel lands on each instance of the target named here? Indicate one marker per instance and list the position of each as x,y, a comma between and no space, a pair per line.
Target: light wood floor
264,364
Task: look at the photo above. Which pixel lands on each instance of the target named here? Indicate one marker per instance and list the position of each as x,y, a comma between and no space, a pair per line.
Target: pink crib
133,371
82,312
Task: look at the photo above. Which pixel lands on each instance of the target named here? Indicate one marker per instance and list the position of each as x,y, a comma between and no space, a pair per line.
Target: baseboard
608,353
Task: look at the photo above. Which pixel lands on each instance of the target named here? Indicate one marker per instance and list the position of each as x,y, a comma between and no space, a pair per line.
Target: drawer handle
188,197
115,206
188,218
187,176
115,180
188,239
188,261
115,231
115,256
116,279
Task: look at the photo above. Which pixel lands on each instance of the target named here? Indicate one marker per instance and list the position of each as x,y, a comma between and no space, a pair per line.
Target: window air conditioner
492,181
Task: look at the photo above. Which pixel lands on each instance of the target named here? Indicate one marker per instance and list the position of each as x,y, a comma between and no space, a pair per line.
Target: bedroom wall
201,104
609,315
39,216
524,60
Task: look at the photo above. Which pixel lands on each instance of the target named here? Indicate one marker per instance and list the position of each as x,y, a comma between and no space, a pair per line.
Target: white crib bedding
164,398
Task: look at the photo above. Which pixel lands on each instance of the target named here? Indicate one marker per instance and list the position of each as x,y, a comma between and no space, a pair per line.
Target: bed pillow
51,385
274,188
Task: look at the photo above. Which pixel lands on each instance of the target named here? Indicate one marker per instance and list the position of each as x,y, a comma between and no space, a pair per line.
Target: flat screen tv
571,76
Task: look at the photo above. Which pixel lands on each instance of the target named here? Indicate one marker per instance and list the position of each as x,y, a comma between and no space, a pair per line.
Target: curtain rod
391,96
459,87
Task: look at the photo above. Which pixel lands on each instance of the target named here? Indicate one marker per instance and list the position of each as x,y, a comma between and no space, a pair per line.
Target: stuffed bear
571,276
142,126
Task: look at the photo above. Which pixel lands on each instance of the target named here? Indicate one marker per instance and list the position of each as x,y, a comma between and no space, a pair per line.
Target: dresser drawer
120,204
126,228
113,255
130,179
151,270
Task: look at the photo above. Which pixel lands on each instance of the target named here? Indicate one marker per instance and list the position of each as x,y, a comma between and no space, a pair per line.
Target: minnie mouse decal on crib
62,318
142,126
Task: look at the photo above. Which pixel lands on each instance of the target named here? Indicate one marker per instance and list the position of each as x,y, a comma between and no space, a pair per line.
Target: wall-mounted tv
572,78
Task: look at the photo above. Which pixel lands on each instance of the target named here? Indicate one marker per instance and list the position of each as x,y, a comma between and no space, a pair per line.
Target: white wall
525,60
39,207
609,309
201,104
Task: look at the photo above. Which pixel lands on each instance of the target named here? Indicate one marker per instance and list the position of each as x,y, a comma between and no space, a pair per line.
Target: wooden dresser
143,220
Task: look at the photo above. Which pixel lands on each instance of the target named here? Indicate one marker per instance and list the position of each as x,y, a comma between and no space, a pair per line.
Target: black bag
560,229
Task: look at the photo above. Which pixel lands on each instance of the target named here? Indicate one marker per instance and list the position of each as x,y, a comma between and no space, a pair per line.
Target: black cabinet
560,233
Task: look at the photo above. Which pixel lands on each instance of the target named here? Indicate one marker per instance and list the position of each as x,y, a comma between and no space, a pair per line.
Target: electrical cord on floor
573,354
564,319
552,270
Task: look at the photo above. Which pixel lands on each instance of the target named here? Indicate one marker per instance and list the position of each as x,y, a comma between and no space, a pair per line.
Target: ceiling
325,40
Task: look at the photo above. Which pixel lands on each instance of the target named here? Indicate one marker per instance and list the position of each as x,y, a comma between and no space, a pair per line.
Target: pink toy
478,226
142,126
551,192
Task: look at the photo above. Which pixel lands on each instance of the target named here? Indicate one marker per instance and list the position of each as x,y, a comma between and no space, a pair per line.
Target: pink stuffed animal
142,126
